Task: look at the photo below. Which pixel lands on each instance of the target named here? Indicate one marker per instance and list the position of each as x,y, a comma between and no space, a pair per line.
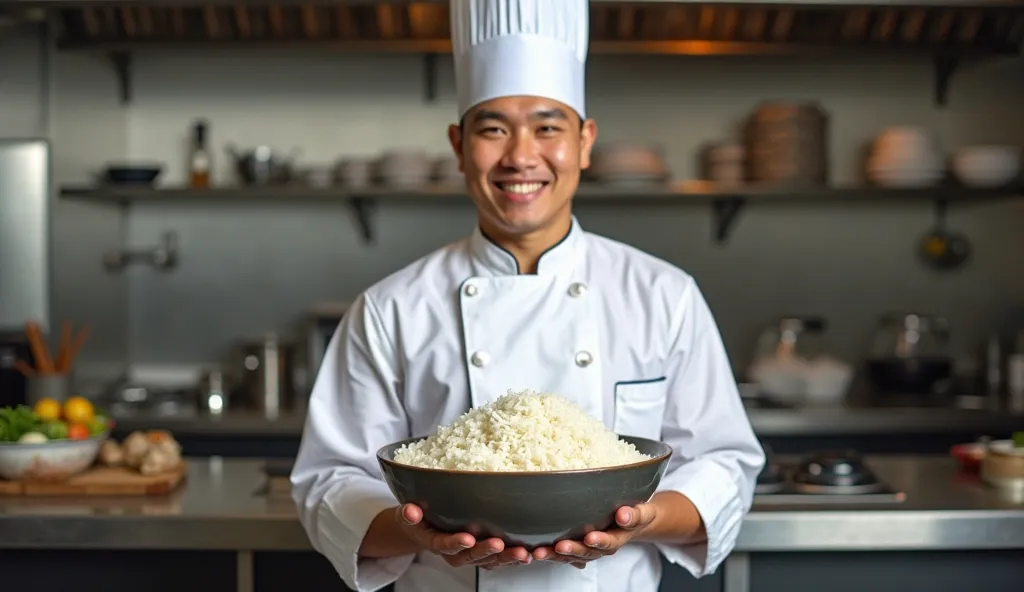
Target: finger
481,551
410,514
549,554
511,556
575,549
578,565
603,541
514,555
451,544
630,518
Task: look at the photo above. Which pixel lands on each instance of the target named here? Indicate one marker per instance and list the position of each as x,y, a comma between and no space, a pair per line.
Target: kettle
266,373
790,365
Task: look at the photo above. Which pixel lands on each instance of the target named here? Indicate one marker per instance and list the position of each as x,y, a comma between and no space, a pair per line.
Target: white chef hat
520,47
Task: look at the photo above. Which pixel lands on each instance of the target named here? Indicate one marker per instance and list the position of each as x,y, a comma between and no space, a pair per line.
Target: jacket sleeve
716,456
354,410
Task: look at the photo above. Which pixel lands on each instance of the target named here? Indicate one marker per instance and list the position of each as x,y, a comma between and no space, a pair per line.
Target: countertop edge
762,531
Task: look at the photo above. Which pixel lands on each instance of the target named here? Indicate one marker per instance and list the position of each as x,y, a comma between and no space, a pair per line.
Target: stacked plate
625,163
446,171
787,143
905,157
404,169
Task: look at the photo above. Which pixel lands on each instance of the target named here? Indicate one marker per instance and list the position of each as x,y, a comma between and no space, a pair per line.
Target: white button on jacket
627,336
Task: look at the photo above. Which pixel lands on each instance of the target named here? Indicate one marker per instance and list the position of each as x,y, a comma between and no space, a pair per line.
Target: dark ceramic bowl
528,509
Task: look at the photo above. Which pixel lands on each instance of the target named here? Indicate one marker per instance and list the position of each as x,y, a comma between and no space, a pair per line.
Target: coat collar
562,256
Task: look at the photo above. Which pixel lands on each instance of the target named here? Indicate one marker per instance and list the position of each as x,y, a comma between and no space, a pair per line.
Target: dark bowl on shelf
528,509
132,174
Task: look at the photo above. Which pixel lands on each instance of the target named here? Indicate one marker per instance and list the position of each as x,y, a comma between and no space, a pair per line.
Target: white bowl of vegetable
32,449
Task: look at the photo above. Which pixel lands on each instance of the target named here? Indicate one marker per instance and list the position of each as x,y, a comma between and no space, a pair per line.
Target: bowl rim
651,461
55,444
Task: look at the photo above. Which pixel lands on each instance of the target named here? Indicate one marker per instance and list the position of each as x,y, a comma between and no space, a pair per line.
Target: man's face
522,158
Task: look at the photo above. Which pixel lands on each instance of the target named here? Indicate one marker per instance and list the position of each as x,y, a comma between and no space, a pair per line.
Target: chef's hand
460,548
629,522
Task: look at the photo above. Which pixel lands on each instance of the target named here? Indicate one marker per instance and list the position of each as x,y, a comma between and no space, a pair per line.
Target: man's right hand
460,548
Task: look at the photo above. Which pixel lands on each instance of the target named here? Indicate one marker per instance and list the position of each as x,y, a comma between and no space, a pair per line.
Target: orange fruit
78,410
47,409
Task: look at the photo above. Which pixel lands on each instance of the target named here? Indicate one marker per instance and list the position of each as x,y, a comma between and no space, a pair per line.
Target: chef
528,301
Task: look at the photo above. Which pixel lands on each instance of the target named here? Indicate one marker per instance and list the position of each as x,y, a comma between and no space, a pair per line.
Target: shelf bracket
362,208
122,61
724,216
945,66
430,77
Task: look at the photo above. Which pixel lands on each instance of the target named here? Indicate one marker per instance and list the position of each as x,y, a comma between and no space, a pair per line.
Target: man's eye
548,129
491,131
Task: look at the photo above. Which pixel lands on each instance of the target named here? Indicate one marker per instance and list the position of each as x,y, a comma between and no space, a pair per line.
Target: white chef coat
626,335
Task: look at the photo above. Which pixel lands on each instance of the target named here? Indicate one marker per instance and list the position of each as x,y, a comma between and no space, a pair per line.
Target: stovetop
823,478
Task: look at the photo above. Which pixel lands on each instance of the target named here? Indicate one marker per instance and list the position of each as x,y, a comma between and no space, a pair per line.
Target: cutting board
100,480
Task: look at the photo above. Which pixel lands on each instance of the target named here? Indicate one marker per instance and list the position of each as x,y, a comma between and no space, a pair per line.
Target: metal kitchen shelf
947,30
726,204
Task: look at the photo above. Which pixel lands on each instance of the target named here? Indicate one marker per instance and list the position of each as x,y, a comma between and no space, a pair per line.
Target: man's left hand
629,522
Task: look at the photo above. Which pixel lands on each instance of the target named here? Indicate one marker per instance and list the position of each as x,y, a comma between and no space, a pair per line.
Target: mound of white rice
523,431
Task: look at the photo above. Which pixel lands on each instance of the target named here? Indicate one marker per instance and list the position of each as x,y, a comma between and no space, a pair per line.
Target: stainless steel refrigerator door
24,233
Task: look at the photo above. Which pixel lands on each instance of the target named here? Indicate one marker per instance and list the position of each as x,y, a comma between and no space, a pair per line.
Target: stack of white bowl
987,166
905,157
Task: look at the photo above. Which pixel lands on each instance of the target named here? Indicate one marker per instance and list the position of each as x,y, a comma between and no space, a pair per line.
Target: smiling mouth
520,190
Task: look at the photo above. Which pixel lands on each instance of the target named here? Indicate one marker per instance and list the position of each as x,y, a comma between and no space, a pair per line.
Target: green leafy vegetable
1018,439
98,425
55,430
16,422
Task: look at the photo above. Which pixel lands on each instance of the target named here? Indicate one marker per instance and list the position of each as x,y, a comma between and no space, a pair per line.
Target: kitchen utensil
725,164
905,156
787,143
45,364
47,386
267,380
942,248
790,365
321,325
355,173
909,354
262,166
56,460
530,509
101,481
1003,465
408,168
446,171
987,166
627,163
128,174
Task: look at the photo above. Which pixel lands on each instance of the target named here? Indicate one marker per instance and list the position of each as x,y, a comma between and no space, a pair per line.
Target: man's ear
588,135
455,139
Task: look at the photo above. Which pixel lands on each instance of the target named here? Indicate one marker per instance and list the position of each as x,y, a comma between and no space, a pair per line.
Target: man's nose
521,152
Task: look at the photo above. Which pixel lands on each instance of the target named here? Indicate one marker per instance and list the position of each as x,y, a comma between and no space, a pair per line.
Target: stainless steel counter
766,422
221,507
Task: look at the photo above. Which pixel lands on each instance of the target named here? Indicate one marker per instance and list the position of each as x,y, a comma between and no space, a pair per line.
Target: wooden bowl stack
787,144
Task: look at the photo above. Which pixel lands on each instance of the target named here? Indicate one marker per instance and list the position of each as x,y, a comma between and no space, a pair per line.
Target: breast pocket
640,408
